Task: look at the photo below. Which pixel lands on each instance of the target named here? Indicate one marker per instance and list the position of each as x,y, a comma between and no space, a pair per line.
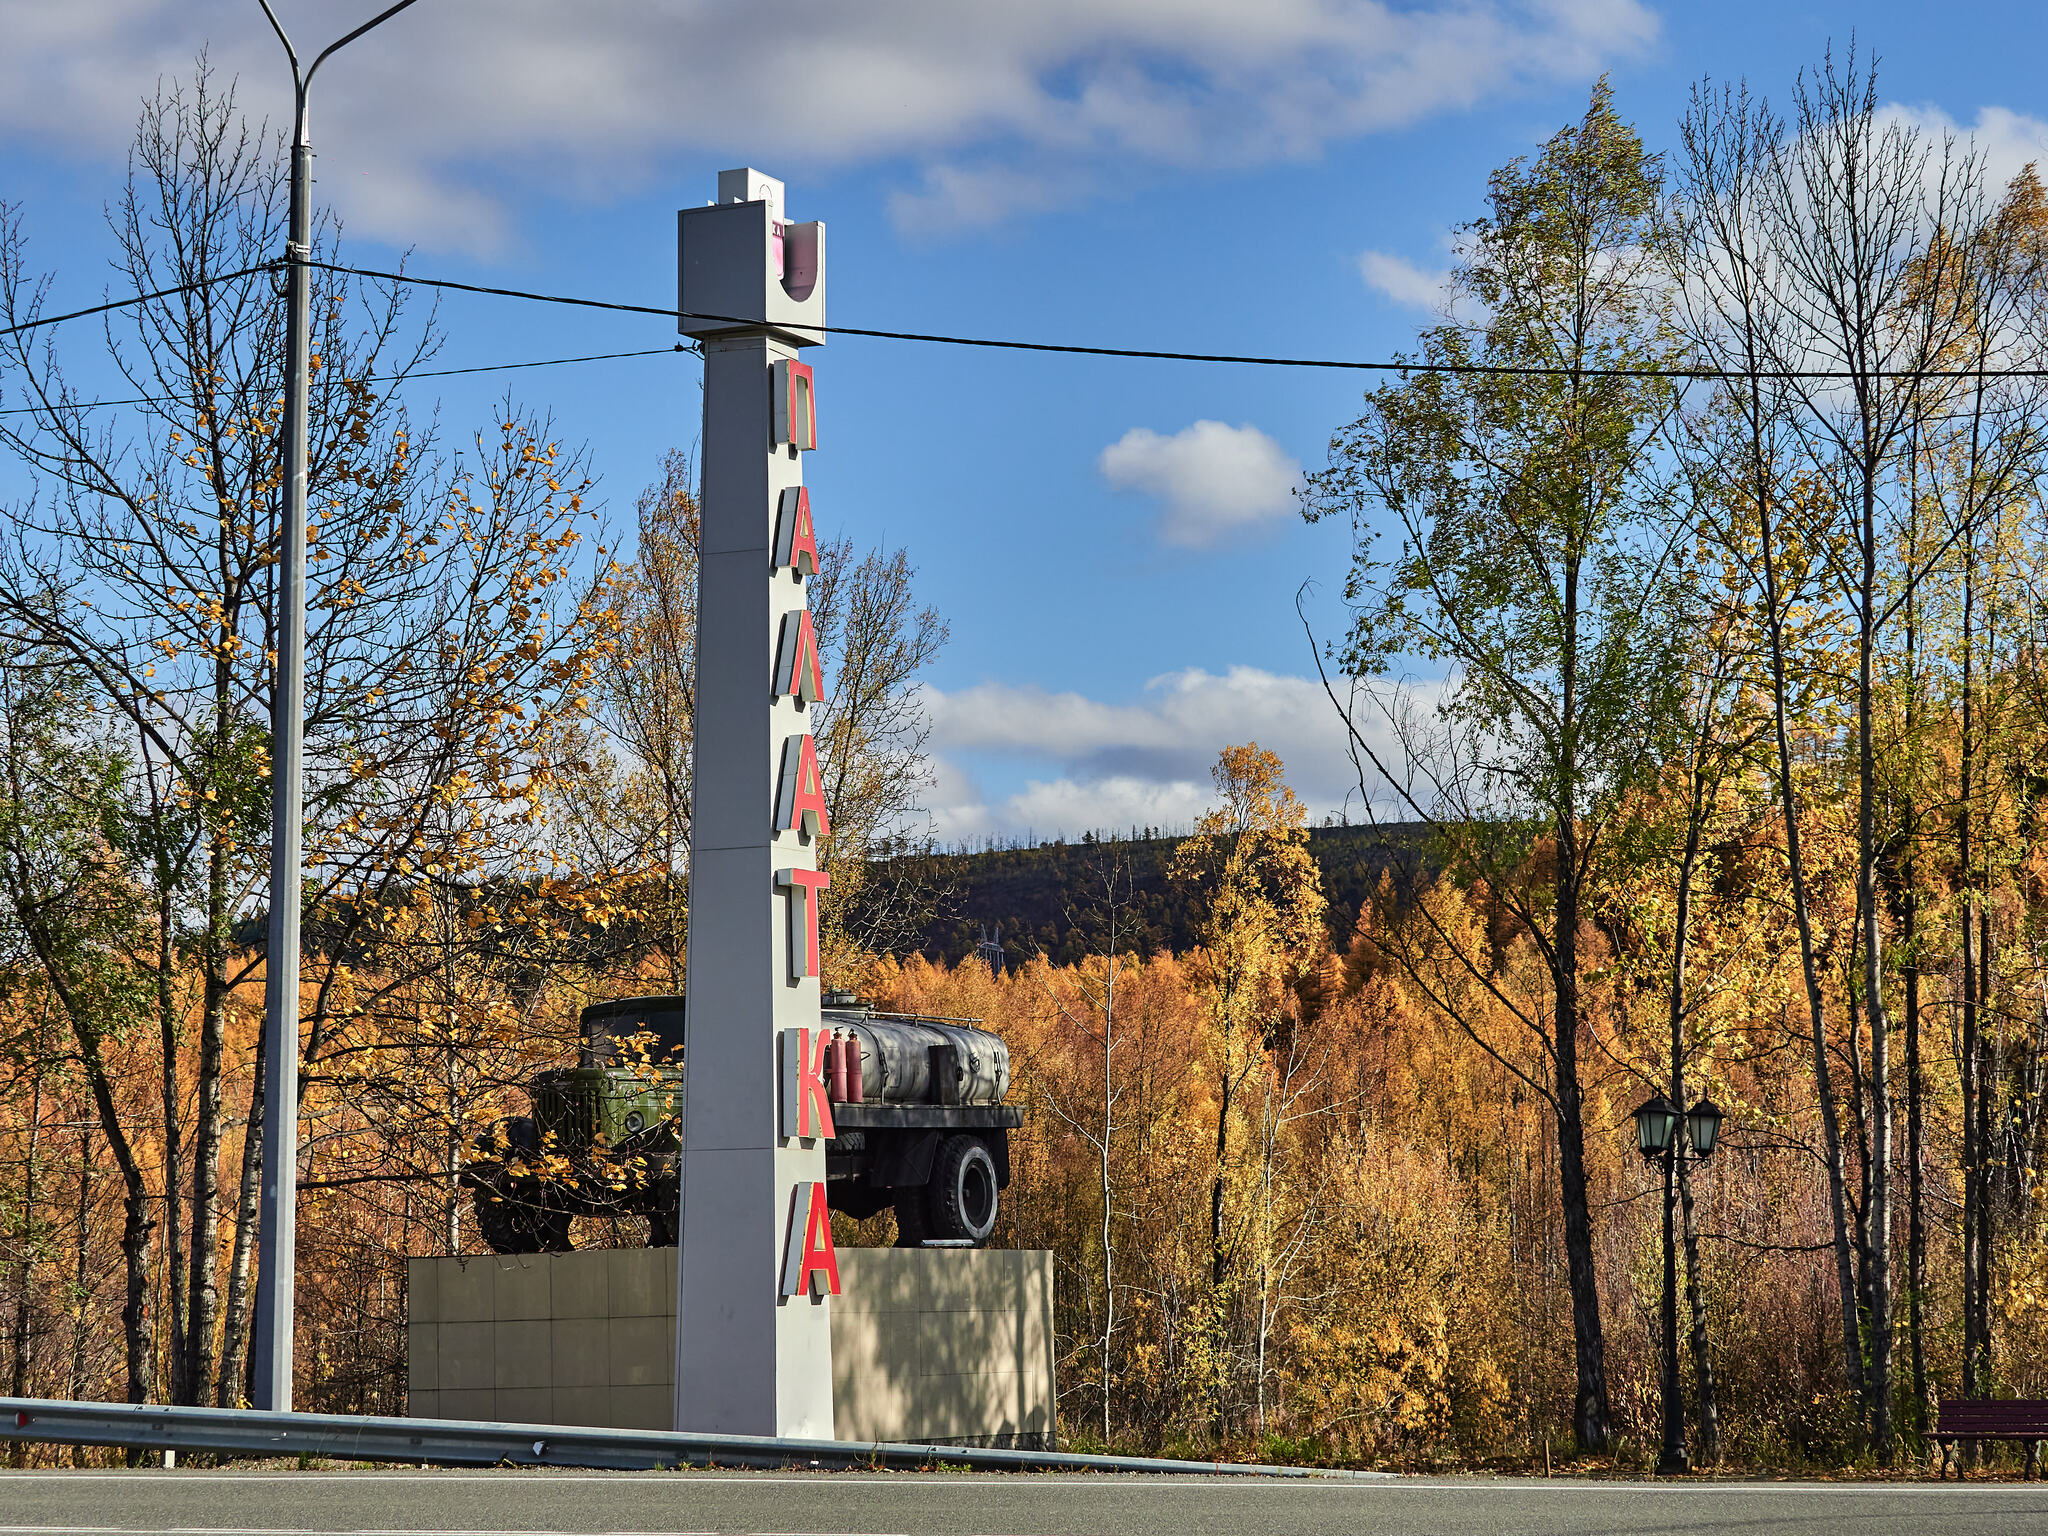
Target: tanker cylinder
904,1061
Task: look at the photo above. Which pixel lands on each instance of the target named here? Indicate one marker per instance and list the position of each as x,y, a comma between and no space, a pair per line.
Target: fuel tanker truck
917,1109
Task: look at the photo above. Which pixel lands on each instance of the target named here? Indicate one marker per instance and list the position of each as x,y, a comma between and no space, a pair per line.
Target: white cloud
1116,766
1211,479
1404,282
2008,140
1068,807
995,106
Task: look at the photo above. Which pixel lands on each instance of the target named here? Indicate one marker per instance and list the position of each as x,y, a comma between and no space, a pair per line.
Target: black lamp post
1658,1136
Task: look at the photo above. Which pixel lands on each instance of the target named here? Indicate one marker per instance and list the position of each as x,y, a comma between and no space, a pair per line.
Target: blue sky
1112,542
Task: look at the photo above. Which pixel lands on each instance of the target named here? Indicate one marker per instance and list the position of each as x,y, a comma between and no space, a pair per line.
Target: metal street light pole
1660,1128
1666,1132
271,1349
1674,1458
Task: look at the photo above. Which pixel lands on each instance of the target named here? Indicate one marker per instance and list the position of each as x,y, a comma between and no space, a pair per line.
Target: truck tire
661,1223
961,1198
509,1224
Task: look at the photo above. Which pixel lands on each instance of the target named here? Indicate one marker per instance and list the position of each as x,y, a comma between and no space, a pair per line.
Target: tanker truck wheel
662,1217
961,1199
509,1224
510,1215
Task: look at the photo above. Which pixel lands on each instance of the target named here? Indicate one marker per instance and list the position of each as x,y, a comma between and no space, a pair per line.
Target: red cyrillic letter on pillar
804,886
796,406
821,1259
806,1105
809,1261
798,672
796,539
800,802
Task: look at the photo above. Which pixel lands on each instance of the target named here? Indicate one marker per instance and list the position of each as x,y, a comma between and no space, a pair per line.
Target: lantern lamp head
1656,1123
1703,1127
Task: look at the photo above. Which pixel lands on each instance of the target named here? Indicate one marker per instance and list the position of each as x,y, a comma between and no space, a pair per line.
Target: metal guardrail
473,1443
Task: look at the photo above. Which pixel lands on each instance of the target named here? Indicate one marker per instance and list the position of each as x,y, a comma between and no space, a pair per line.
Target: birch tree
1524,502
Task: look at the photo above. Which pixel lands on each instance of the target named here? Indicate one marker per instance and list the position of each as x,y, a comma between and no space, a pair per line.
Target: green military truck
917,1107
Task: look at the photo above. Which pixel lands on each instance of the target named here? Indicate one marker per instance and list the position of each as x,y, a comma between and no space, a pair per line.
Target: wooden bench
1989,1419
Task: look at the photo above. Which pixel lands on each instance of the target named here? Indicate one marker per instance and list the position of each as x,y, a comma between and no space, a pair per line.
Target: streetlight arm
298,82
339,43
301,81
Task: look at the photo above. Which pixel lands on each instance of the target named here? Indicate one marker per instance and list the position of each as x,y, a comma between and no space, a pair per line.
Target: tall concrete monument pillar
756,1271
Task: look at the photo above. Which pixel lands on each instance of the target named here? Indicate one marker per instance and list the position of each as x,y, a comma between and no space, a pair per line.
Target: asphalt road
404,1501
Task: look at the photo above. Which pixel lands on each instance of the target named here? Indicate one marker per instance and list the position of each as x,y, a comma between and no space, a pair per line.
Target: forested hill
1050,899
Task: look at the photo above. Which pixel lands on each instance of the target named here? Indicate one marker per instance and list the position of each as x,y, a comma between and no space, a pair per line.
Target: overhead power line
423,373
1514,370
1502,370
140,298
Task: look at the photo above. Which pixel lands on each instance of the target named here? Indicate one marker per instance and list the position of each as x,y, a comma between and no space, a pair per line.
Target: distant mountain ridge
1048,899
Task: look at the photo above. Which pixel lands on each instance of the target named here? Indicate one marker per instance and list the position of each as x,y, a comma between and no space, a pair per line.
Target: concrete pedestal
932,1346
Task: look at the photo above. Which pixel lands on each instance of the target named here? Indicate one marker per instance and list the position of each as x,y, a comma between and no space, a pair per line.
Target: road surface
406,1501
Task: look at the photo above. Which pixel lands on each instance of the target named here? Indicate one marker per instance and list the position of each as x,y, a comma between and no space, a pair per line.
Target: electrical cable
1500,369
424,373
140,298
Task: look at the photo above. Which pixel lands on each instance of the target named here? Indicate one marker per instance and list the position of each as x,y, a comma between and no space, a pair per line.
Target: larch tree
1083,999
1260,941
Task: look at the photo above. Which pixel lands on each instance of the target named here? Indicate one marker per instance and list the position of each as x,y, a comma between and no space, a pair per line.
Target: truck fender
999,1148
904,1159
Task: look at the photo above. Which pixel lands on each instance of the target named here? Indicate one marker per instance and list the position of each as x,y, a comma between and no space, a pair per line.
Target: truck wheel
503,1222
661,1225
962,1196
500,1231
510,1217
553,1227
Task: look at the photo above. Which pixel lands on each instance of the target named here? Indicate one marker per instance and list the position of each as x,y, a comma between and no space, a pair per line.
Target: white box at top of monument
748,185
742,267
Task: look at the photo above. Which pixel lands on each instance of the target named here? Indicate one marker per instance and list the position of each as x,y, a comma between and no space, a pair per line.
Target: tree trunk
1916,1223
235,1333
169,1047
1988,1084
1880,1205
1592,1419
137,1333
24,1285
1219,1262
1809,967
81,1274
1909,949
1219,1259
203,1286
1108,1202
137,1224
1969,1062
